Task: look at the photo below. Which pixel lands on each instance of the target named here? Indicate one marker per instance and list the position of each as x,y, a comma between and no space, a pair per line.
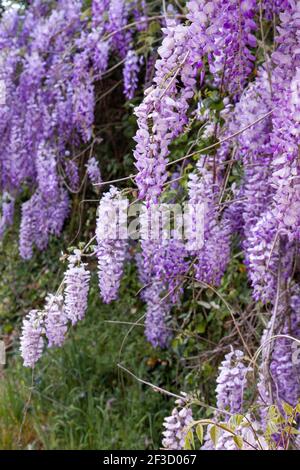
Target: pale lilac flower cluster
271,235
72,174
93,171
51,58
231,382
283,384
213,257
118,17
99,7
140,13
130,74
40,219
162,265
234,39
47,177
177,425
157,307
51,323
76,281
165,108
157,314
111,247
56,321
274,7
32,341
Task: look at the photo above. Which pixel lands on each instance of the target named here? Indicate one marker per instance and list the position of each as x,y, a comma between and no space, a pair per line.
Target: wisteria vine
243,56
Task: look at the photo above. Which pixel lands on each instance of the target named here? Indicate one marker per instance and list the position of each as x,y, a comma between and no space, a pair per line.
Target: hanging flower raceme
231,382
177,425
274,7
130,74
162,114
112,243
93,171
285,139
41,217
209,239
234,39
279,371
47,176
118,17
162,265
51,323
277,226
153,292
140,13
158,310
171,264
32,340
56,320
76,282
99,7
253,147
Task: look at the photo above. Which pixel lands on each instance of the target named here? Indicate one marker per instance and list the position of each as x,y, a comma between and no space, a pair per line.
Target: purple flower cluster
275,7
157,313
111,248
249,433
212,258
162,265
231,382
51,323
76,282
118,18
234,39
93,171
40,219
56,320
162,114
130,74
283,384
32,341
177,426
51,59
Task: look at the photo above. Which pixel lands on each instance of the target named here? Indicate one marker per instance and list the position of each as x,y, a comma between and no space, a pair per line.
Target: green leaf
272,411
214,434
199,432
239,441
236,420
288,409
290,430
272,427
189,443
154,27
201,327
85,14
